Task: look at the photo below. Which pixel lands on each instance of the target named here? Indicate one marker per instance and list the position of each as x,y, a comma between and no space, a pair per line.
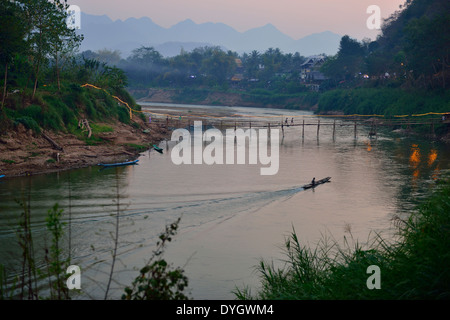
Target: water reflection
414,159
415,162
432,157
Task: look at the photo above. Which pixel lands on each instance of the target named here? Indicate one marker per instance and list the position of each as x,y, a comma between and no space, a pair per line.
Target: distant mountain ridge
102,32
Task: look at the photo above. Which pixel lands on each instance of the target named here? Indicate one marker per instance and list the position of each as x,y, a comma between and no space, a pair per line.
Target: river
231,215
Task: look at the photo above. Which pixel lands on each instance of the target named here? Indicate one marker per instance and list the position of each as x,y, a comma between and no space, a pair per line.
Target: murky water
231,216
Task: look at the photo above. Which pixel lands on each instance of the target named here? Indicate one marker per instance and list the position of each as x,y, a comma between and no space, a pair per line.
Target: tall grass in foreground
29,283
416,266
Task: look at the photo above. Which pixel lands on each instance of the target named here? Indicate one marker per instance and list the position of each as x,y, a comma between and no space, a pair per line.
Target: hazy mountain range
101,32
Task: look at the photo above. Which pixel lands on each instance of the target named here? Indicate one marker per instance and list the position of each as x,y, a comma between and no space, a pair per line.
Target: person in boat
313,182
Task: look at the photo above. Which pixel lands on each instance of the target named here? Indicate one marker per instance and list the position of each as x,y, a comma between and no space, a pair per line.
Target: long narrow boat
118,164
318,182
157,148
2,176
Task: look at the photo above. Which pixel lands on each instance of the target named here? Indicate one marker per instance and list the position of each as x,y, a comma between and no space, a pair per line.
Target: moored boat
126,163
157,148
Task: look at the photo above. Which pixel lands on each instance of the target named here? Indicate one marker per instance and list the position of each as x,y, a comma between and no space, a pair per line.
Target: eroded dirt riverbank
23,152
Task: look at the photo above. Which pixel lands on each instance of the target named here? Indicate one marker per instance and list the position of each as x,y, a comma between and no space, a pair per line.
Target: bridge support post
303,129
334,129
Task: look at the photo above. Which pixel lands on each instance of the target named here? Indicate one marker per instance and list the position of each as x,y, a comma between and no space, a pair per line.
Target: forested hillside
406,69
413,49
43,74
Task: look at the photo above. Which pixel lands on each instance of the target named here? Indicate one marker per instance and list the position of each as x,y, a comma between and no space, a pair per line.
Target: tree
252,63
218,65
350,56
63,40
49,34
93,69
272,60
114,78
414,43
12,33
427,47
348,61
36,14
146,56
110,57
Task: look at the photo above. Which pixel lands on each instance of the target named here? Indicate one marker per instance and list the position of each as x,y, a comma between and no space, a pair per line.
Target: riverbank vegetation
413,267
405,71
384,101
270,78
43,75
55,103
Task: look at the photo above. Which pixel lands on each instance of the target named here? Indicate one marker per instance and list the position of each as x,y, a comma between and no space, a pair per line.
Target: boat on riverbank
118,164
157,148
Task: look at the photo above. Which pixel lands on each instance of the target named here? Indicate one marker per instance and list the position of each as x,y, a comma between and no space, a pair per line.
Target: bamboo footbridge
172,121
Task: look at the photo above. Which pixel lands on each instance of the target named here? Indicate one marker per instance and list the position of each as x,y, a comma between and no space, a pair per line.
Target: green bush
33,111
57,105
29,123
124,115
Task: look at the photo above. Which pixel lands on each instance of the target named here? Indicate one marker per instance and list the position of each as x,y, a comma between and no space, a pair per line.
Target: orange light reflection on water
432,157
436,173
414,159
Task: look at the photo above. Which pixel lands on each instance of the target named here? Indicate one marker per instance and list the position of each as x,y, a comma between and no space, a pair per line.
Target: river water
231,215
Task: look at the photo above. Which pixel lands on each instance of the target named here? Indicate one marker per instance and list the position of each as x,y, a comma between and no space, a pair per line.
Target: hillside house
310,71
238,76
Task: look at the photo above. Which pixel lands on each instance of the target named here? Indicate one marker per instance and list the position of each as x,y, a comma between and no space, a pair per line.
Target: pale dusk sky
296,18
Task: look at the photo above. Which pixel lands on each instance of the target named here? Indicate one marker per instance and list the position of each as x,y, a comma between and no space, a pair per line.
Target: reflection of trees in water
54,182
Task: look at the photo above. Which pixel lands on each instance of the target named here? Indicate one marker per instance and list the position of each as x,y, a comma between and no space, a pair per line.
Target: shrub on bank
62,111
